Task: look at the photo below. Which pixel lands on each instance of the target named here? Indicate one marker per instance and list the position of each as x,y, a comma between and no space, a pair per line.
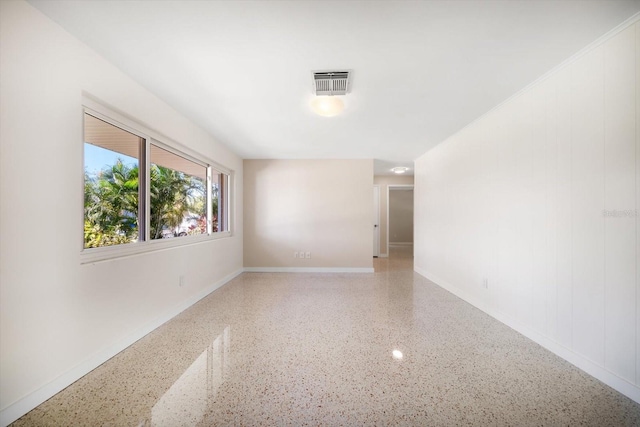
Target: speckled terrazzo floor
316,349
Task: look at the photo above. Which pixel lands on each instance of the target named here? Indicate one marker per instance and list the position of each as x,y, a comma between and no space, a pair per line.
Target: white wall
518,197
400,216
319,206
59,319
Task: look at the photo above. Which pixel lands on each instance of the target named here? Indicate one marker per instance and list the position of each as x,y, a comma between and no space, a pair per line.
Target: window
111,185
138,190
178,195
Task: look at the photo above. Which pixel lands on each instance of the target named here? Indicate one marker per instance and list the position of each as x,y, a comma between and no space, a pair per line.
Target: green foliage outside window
111,204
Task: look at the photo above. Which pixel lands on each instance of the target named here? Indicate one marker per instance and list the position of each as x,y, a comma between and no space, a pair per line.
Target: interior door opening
400,219
376,221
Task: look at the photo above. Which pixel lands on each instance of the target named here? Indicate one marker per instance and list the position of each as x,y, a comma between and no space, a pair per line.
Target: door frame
376,220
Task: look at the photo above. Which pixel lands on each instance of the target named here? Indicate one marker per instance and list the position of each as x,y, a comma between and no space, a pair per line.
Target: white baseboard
400,243
383,256
308,270
27,403
623,386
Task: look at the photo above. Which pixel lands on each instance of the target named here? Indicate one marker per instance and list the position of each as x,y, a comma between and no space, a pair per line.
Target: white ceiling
421,70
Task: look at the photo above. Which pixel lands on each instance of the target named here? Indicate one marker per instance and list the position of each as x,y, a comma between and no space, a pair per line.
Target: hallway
389,348
400,258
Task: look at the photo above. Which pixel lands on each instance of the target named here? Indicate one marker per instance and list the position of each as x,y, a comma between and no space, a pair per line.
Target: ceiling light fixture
326,85
327,106
399,169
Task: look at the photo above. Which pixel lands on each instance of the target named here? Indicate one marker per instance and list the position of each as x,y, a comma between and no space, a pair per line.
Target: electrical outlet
307,255
295,254
181,281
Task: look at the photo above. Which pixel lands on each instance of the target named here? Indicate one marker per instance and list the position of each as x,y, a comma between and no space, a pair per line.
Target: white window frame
89,255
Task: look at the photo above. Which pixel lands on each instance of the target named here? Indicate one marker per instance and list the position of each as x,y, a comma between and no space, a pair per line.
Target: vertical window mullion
222,199
142,191
229,204
147,192
209,202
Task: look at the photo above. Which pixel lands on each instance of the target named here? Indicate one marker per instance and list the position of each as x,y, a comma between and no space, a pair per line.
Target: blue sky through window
98,158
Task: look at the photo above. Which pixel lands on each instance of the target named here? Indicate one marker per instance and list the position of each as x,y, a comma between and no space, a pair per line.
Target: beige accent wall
317,206
383,181
400,216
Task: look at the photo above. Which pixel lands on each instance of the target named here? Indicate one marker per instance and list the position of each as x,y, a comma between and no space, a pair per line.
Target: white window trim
91,255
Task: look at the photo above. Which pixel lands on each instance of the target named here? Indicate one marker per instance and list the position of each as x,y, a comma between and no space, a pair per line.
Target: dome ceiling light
327,86
399,169
327,106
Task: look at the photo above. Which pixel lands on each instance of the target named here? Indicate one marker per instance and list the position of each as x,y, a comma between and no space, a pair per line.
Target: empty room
350,213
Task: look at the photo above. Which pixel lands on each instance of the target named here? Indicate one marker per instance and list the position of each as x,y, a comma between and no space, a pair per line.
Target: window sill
93,255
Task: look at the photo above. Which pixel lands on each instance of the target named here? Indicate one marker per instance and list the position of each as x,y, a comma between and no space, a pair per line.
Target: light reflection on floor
196,388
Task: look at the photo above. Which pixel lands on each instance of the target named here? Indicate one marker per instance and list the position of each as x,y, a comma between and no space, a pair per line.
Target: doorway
376,221
400,237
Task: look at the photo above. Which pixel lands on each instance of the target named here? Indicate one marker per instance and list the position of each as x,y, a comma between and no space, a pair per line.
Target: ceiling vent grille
331,82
